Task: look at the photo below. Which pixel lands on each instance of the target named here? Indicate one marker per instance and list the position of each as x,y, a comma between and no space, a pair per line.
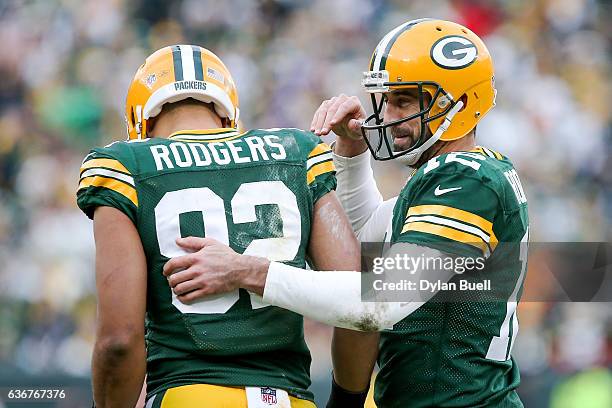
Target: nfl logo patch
151,80
268,395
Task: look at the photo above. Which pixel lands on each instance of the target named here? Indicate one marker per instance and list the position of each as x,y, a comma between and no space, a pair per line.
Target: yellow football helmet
175,73
437,57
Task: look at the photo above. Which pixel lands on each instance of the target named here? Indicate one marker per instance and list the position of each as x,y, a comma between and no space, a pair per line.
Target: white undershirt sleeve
357,191
334,297
375,228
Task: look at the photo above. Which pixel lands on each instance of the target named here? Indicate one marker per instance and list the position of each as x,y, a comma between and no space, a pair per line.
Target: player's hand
341,114
208,269
211,268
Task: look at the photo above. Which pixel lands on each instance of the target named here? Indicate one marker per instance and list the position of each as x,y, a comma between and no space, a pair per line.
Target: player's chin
402,142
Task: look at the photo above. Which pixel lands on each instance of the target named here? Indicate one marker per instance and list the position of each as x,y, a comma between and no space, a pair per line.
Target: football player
186,170
430,83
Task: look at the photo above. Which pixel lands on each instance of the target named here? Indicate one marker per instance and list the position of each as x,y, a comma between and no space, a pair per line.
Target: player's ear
151,126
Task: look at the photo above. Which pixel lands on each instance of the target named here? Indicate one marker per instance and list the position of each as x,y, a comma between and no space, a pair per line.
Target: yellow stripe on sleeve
318,169
118,186
320,148
108,163
449,233
457,214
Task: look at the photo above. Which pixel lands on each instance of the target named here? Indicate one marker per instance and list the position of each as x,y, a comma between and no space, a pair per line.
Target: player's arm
457,224
330,298
335,298
119,350
357,190
306,292
333,247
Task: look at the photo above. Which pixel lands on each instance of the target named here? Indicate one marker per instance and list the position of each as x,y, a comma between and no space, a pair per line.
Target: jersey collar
204,134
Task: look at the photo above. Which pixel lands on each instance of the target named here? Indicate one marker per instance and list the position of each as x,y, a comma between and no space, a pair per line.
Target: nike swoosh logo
439,191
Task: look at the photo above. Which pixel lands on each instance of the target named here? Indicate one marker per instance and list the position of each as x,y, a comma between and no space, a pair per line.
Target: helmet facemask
378,134
440,58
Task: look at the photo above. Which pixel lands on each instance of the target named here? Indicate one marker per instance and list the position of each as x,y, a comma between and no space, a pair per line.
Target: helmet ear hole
464,99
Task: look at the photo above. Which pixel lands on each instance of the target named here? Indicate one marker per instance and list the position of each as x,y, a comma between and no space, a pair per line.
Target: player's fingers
186,287
315,117
178,263
179,277
355,125
351,108
190,243
192,296
195,243
321,116
331,113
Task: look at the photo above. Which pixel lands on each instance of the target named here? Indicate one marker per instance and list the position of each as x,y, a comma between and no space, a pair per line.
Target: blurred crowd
65,66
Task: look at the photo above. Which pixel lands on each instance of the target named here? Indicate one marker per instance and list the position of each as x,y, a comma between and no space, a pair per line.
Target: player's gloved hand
341,398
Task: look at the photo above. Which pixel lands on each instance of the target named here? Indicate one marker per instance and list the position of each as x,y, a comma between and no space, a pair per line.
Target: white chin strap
409,159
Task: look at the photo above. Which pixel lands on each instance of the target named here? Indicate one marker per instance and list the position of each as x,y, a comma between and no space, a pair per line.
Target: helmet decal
453,52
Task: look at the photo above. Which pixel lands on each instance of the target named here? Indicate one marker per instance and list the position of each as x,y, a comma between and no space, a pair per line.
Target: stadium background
65,66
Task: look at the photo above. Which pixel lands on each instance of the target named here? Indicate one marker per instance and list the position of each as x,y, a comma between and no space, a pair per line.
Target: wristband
341,398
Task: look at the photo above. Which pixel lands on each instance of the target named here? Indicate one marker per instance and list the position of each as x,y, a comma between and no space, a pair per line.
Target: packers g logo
453,52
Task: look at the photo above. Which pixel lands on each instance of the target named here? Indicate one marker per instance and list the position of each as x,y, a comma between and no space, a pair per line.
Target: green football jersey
254,191
453,352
